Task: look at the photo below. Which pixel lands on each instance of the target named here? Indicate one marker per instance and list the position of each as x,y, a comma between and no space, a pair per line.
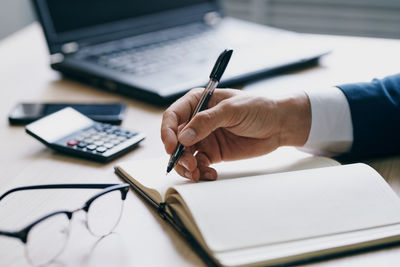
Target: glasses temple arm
56,186
10,234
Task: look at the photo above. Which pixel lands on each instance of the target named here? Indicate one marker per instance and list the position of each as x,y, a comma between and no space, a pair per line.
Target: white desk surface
142,238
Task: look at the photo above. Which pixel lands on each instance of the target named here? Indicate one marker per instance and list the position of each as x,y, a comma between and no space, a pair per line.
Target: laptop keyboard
148,59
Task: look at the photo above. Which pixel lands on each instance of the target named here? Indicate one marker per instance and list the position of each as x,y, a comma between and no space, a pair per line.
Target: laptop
156,50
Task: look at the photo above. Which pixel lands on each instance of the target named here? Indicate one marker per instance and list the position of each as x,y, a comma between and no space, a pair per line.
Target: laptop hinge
69,48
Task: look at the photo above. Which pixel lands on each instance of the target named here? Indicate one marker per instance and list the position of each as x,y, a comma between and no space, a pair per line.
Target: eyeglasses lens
47,239
104,213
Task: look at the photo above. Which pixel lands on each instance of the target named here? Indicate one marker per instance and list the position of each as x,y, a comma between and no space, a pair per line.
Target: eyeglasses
103,212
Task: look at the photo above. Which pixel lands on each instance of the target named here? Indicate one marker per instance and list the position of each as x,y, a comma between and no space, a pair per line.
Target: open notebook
285,207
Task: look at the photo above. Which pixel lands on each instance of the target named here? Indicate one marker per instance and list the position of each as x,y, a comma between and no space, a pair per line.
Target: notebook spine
162,211
169,215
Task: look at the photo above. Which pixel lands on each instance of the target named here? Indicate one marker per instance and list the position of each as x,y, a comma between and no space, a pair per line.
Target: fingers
169,139
188,161
187,166
178,113
206,173
176,119
195,167
194,175
204,123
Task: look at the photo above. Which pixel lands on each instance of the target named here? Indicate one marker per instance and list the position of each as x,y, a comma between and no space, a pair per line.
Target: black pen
215,76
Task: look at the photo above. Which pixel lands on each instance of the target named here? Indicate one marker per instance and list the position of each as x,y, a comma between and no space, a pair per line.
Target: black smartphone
24,113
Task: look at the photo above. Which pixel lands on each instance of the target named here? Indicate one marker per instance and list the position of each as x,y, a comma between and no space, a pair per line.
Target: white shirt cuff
331,126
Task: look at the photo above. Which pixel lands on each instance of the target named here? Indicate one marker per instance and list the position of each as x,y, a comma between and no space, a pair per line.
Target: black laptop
156,50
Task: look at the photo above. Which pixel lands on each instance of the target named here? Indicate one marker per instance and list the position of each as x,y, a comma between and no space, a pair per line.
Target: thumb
203,124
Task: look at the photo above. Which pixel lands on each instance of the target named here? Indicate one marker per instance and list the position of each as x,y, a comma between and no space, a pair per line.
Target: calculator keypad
100,138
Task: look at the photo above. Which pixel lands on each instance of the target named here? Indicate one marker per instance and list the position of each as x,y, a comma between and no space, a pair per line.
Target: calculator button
101,149
121,138
106,139
82,144
88,140
85,134
90,131
130,135
115,141
112,136
98,127
117,132
72,142
108,145
98,143
96,137
91,147
80,138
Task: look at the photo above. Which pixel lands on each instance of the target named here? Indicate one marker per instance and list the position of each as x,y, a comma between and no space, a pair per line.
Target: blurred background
344,17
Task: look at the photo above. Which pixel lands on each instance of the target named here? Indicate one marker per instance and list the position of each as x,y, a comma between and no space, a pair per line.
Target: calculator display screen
59,125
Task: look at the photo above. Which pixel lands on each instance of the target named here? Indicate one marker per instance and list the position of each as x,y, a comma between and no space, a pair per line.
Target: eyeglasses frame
23,233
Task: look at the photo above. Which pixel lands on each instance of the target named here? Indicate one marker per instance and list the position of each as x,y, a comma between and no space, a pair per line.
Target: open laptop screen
70,15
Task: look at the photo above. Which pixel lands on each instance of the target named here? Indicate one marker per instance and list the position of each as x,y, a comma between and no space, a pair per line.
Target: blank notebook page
278,208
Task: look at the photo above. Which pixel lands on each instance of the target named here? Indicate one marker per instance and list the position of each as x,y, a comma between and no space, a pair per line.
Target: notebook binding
161,210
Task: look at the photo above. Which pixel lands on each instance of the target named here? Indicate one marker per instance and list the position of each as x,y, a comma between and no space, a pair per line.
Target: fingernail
208,176
188,174
187,136
184,164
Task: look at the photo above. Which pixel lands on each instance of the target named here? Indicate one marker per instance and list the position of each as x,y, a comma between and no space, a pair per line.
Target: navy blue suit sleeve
375,113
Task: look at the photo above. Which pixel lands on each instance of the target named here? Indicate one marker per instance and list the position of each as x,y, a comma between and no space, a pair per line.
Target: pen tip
169,168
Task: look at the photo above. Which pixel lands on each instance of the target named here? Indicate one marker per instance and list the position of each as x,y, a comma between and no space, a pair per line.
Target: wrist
295,119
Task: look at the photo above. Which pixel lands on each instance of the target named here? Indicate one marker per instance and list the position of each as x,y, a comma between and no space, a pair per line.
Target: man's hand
234,126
